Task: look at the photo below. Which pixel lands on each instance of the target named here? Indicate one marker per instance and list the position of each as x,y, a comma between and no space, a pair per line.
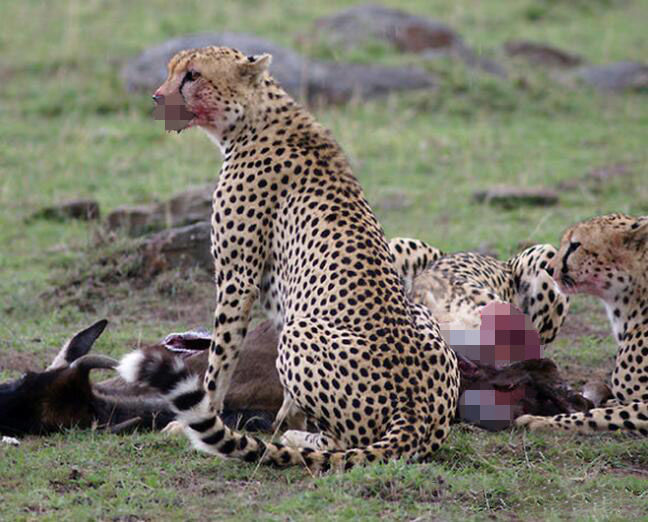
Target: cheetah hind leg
290,413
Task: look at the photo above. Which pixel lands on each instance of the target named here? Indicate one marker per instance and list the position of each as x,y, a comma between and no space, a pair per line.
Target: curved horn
92,361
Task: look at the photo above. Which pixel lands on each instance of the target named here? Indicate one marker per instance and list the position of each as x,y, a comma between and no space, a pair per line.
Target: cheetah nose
158,98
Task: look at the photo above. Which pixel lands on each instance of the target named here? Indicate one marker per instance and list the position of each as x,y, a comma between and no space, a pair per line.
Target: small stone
512,197
394,201
541,54
82,209
613,77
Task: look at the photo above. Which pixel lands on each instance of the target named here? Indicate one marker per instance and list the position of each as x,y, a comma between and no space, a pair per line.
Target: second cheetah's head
605,256
210,87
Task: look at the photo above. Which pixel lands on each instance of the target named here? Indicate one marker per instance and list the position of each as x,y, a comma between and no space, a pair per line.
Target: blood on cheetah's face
603,256
209,87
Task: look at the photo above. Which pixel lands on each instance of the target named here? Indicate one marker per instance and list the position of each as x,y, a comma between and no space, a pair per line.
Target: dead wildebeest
63,395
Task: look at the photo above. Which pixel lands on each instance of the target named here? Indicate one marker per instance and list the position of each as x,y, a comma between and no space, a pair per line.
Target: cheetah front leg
240,255
231,319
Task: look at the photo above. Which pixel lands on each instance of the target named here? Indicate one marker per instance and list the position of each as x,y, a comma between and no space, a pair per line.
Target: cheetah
607,257
292,228
455,287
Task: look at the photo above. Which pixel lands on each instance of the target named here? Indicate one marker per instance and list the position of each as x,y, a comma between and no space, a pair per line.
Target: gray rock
409,33
188,207
83,209
181,247
542,54
394,200
619,76
339,82
511,197
596,179
406,32
328,82
133,219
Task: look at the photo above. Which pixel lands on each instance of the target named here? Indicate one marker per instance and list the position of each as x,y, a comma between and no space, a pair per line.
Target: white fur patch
190,384
12,441
129,366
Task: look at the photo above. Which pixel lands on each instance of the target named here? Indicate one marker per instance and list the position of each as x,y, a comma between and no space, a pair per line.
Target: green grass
68,130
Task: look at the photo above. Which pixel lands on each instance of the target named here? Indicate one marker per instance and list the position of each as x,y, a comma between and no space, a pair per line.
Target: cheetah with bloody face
455,287
291,227
607,257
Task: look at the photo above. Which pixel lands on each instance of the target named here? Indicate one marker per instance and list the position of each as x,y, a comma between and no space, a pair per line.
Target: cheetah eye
573,245
191,76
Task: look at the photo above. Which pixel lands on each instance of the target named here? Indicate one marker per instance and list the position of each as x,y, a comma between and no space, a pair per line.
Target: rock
511,197
133,219
302,78
83,209
339,82
394,201
409,33
190,206
619,76
181,247
596,178
406,32
541,54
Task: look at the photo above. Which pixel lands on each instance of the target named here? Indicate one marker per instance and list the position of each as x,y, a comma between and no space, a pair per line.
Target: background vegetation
68,129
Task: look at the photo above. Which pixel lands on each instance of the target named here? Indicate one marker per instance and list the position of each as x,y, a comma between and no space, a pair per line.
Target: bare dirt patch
25,361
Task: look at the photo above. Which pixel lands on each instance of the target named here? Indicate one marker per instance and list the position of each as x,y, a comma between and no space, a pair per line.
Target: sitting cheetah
608,257
455,287
291,226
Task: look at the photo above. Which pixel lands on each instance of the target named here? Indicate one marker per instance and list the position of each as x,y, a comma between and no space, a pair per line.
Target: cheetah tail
185,395
411,258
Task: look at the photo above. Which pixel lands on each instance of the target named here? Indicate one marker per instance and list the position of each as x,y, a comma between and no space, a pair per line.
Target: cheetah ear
254,67
638,233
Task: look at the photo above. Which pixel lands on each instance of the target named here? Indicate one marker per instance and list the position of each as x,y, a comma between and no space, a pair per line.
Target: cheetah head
211,88
604,256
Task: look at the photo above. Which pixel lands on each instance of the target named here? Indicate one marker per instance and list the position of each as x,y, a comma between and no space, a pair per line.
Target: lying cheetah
455,287
291,226
608,257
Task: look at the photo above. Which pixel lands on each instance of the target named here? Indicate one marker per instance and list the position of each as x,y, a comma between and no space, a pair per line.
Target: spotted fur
455,287
607,257
291,227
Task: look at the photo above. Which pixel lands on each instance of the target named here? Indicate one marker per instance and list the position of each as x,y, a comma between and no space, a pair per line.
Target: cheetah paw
174,428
